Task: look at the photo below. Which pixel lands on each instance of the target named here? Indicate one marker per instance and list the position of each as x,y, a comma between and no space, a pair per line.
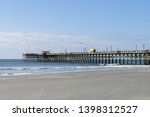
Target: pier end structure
132,57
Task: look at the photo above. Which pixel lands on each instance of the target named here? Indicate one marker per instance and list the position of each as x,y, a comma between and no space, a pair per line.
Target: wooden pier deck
136,57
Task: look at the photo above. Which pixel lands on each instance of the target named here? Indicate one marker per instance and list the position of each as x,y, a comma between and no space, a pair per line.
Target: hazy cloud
13,44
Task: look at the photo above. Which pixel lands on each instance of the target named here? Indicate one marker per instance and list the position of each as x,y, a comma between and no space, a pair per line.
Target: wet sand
104,85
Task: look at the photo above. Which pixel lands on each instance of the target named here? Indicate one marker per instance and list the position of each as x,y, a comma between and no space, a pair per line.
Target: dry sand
106,85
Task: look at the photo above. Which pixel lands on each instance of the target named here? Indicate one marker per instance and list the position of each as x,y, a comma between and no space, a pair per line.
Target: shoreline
93,85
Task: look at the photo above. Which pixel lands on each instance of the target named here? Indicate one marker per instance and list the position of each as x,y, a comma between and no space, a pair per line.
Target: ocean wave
23,68
74,67
5,71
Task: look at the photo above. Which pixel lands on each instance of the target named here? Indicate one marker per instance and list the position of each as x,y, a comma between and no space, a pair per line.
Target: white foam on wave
128,66
4,74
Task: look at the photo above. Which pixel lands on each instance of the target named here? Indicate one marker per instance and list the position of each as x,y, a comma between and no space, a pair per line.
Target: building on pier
132,57
92,50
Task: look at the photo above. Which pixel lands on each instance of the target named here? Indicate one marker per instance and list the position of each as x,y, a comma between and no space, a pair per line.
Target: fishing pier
132,57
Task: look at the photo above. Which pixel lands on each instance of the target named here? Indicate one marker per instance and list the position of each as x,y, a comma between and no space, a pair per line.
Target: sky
56,25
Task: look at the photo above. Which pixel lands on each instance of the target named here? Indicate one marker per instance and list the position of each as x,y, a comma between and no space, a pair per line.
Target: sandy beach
104,85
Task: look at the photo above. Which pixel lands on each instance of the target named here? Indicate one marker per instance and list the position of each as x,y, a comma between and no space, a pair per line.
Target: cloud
13,44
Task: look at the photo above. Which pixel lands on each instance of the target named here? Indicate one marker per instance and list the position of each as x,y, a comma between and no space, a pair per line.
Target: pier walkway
136,57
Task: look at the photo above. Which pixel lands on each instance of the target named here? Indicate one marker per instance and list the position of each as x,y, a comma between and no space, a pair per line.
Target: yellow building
92,50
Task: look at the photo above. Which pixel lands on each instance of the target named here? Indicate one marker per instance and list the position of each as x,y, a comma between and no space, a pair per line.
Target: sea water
19,67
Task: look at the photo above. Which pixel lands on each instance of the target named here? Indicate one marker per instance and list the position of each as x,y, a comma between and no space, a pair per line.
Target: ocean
19,67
